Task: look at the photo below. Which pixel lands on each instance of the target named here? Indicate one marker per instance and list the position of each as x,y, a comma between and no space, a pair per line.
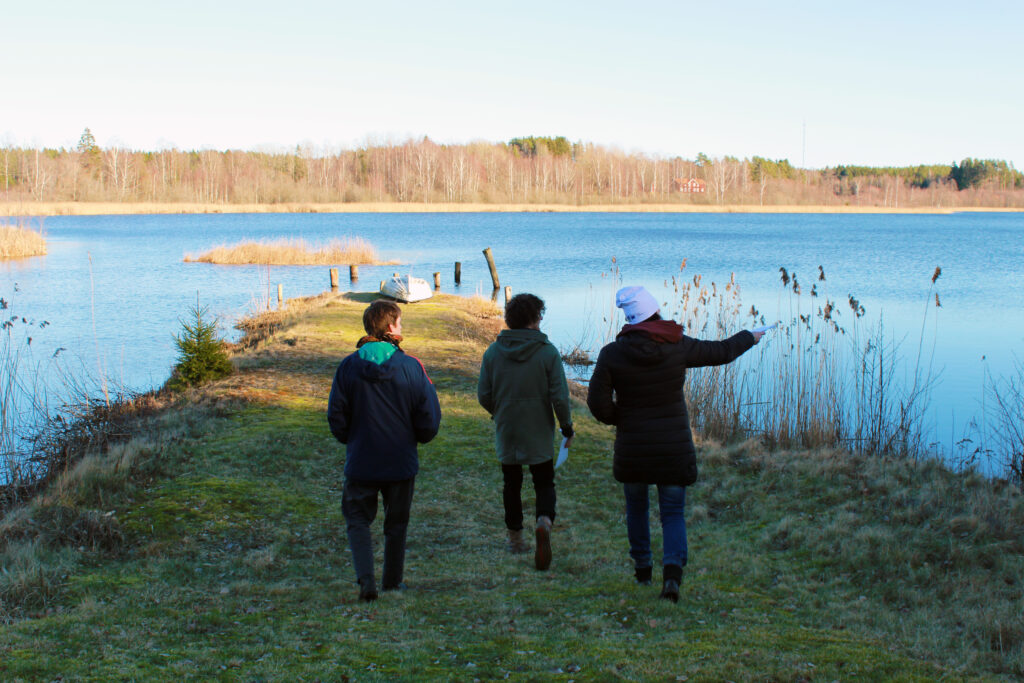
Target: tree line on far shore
527,170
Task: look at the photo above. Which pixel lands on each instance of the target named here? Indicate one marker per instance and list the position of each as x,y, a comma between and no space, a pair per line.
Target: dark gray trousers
359,505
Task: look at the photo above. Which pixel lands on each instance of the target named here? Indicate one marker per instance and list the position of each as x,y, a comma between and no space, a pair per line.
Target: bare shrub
1006,412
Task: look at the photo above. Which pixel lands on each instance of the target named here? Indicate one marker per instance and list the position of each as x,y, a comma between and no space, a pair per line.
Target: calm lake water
113,288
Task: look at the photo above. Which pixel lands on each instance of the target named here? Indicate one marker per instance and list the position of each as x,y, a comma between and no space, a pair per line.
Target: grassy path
234,564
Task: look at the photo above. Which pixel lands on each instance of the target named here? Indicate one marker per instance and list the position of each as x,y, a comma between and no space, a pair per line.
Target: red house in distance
691,185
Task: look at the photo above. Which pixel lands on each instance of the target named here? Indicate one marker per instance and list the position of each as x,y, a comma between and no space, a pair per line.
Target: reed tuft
20,241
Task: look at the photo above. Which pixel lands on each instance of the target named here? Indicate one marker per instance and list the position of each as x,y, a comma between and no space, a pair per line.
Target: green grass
233,565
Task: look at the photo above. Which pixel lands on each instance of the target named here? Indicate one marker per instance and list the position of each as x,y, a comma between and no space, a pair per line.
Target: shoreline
45,209
216,519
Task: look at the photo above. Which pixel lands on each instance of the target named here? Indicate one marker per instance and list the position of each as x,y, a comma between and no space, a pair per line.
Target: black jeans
543,486
359,505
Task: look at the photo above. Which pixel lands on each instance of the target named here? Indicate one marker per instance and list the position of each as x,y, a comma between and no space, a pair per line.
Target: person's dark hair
523,310
654,316
379,315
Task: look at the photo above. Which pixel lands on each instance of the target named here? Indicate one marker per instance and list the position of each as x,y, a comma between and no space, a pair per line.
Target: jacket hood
373,361
647,342
520,345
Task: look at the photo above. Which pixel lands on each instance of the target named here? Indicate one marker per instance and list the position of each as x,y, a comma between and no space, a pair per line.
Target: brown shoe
542,559
516,544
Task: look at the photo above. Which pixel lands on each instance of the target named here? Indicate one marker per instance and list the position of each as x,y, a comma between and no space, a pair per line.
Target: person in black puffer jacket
637,386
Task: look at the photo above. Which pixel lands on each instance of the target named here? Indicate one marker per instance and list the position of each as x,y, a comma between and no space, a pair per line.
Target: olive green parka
522,385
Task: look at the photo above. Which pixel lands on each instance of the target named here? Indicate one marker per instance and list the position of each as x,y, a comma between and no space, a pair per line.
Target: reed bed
823,377
292,252
20,241
826,376
51,414
1006,422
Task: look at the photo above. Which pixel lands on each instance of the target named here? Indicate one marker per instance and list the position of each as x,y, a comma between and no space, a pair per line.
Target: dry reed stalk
810,383
20,241
292,252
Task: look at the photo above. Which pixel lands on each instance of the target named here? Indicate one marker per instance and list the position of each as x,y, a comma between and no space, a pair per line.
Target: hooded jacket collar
520,345
378,352
663,331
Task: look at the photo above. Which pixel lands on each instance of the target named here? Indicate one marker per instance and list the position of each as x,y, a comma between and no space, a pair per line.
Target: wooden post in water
458,273
353,272
494,270
280,295
437,280
508,294
334,279
381,288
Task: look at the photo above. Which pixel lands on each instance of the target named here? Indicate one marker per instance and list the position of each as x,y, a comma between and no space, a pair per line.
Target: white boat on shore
406,288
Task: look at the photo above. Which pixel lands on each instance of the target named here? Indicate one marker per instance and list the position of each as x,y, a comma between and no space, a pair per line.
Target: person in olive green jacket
522,385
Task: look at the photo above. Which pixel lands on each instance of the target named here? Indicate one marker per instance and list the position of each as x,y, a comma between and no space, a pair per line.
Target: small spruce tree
201,356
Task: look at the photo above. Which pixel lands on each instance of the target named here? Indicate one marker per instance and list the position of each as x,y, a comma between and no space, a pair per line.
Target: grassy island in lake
292,252
212,545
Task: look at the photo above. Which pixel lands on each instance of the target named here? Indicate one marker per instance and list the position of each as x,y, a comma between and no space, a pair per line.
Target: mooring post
458,273
334,279
353,272
490,264
437,280
494,295
280,295
508,294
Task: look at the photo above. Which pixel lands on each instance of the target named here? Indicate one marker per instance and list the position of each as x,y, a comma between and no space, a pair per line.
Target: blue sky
871,83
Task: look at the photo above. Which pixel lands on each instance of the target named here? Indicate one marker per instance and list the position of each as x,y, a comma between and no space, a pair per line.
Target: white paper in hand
765,328
563,453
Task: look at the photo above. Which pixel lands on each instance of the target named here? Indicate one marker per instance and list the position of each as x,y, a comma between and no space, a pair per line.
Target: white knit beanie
637,303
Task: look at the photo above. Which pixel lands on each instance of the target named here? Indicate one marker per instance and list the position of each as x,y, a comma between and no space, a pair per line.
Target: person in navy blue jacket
382,404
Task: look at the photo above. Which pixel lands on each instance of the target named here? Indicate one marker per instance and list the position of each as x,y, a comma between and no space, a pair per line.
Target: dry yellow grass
292,252
18,241
482,307
123,208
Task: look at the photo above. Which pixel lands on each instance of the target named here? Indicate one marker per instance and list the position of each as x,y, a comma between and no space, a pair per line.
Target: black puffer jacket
645,367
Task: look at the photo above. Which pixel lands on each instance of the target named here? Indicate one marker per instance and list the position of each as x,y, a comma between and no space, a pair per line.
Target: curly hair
523,310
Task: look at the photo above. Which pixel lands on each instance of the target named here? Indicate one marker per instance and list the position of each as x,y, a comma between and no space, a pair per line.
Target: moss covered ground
223,554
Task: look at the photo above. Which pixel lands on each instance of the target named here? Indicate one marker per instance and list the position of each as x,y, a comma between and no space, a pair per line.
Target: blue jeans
671,502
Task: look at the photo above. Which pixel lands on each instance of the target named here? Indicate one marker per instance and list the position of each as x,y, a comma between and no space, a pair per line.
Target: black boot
643,575
672,576
367,589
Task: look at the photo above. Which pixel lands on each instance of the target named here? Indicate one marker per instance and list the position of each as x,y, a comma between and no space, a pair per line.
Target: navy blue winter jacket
382,403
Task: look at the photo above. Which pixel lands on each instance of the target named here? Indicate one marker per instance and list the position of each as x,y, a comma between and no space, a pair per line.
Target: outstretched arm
702,353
